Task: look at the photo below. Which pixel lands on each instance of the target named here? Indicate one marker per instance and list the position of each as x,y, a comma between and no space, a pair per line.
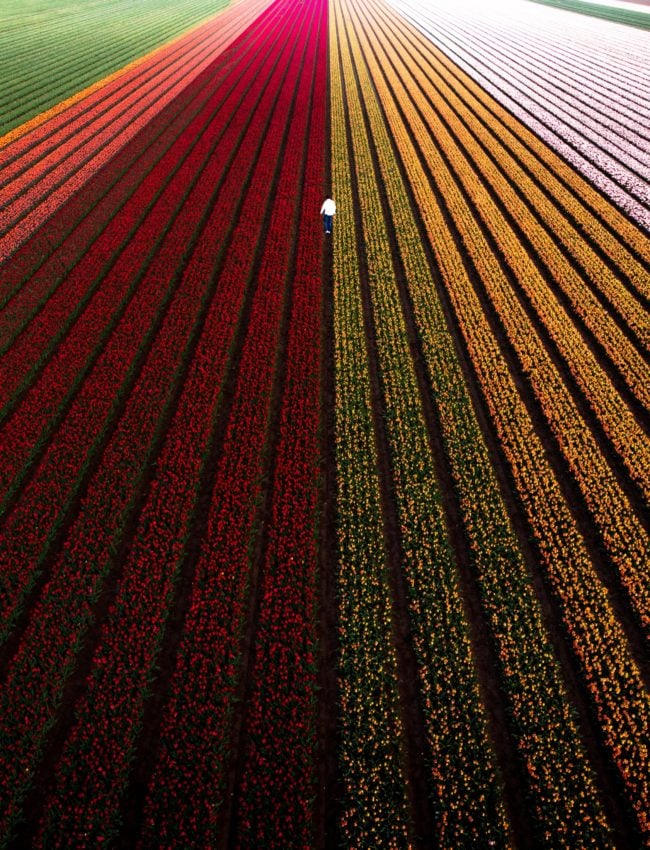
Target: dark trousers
327,223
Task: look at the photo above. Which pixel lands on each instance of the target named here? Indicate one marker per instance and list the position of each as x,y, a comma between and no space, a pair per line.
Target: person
327,211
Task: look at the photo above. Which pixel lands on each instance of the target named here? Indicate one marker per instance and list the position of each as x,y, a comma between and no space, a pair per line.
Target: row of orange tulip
374,810
622,533
561,790
569,258
599,643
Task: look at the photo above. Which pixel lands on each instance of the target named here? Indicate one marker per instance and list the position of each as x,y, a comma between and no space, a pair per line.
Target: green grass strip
609,13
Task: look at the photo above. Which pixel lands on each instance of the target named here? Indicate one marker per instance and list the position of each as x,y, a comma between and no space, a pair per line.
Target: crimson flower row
53,177
195,744
138,236
96,761
138,176
56,247
278,781
86,553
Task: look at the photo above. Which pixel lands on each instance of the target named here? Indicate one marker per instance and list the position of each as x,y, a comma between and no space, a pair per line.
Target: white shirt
328,208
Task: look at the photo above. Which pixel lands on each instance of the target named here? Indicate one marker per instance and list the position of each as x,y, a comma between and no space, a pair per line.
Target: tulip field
325,541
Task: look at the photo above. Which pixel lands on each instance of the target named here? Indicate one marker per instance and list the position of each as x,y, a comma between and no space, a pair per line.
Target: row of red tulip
65,611
197,725
280,765
45,259
95,766
117,298
25,145
40,288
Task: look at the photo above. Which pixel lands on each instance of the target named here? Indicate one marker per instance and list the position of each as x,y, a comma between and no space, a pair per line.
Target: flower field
339,540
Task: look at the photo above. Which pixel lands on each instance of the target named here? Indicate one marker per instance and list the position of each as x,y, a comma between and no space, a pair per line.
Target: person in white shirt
327,211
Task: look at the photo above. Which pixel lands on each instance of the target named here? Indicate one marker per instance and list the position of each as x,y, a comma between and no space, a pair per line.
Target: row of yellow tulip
462,776
622,532
599,644
374,810
561,790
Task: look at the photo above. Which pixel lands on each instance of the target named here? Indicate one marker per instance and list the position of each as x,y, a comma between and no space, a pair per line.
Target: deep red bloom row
162,314
195,746
161,363
281,746
122,298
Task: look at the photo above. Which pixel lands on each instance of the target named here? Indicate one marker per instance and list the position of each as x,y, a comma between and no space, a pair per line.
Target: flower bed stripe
622,533
477,45
374,805
625,16
205,680
598,641
465,790
50,51
576,198
75,356
513,612
280,736
42,263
